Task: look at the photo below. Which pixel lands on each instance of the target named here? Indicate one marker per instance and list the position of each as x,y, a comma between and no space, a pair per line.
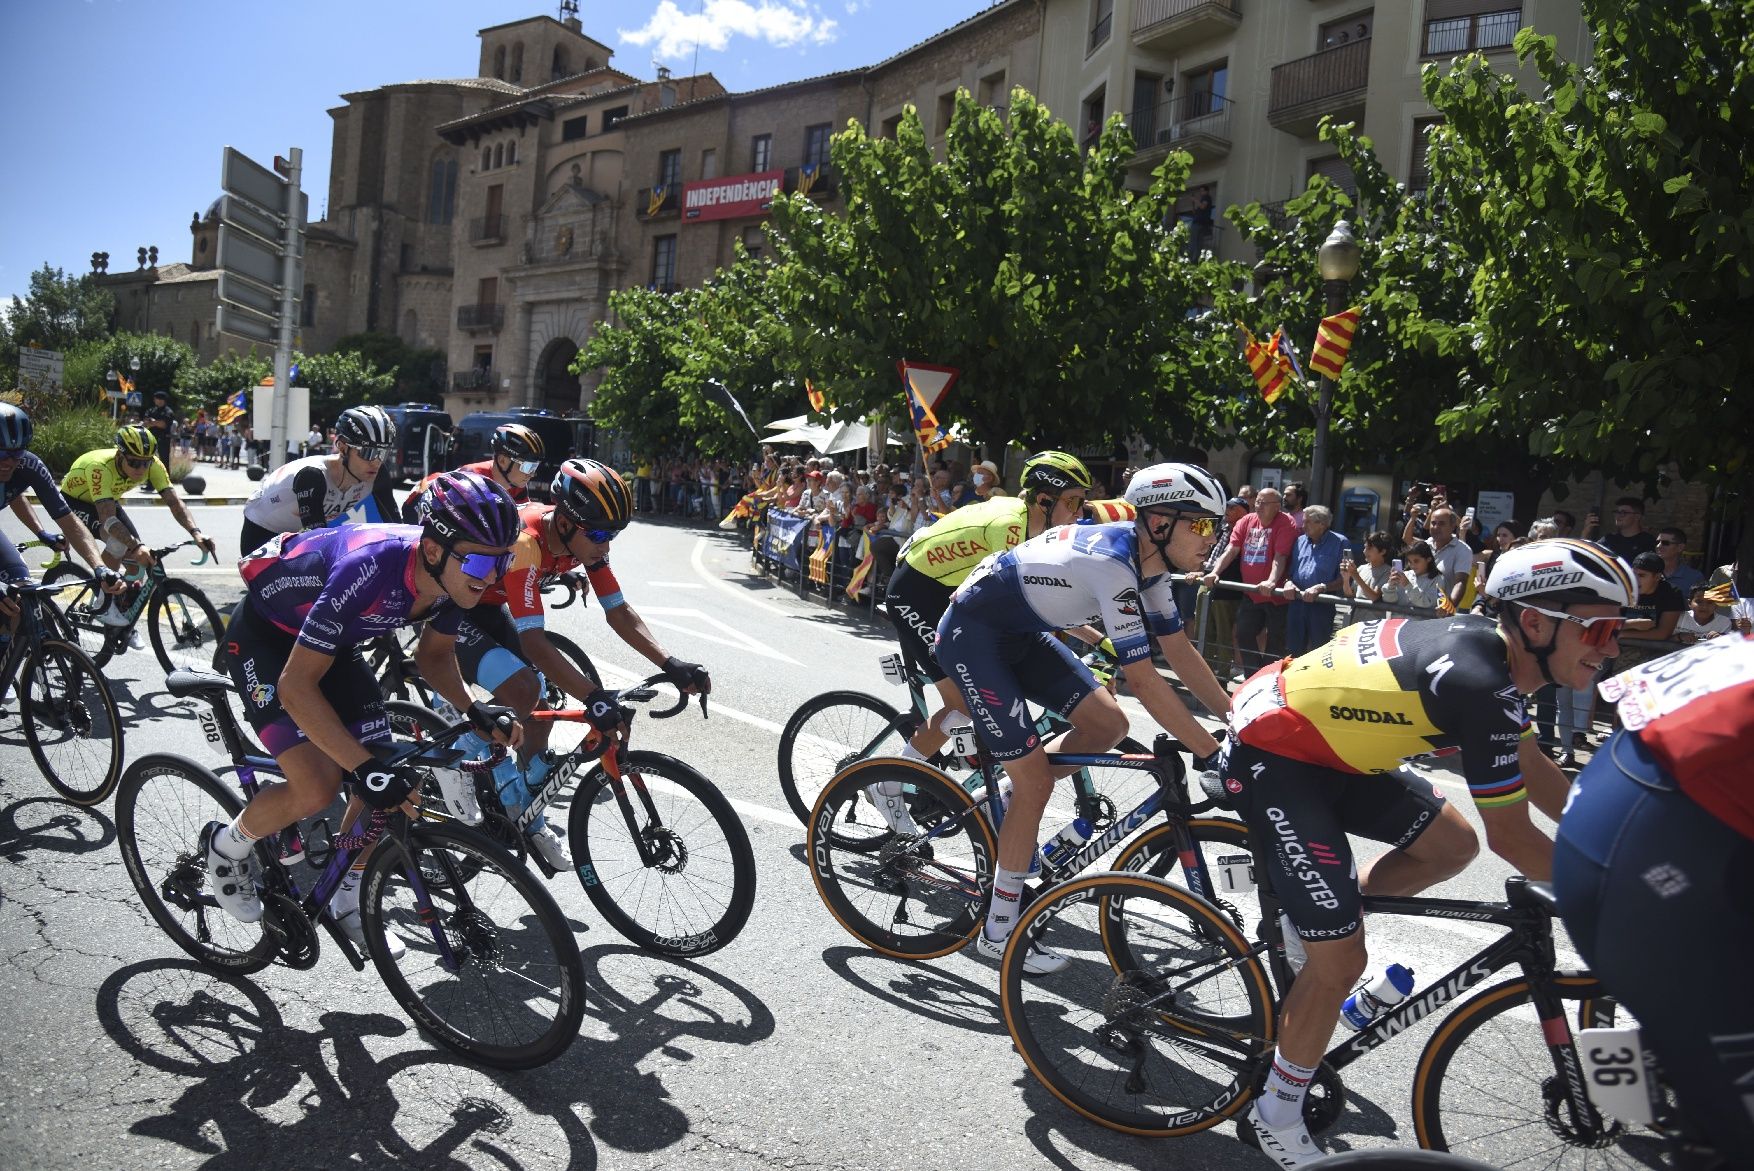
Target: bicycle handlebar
641,692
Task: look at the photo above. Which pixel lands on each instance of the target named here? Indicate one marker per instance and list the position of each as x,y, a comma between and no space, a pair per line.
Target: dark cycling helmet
1177,486
466,506
15,428
1561,571
592,495
365,427
517,441
136,441
1055,472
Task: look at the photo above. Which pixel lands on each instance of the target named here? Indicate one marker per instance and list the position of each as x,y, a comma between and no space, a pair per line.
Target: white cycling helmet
1562,571
1183,487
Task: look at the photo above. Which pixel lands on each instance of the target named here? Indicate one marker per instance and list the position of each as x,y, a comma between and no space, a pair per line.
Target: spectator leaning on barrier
1368,581
1703,619
1659,611
1262,542
1314,570
1672,547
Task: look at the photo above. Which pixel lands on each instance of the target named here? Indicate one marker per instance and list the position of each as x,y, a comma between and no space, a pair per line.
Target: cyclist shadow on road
260,1093
45,823
922,988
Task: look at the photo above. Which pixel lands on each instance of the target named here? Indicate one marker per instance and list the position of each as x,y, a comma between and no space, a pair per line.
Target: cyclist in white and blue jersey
996,642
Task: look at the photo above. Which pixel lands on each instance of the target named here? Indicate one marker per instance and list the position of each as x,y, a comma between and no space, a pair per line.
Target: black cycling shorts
258,651
998,670
1300,814
915,602
489,650
87,512
253,536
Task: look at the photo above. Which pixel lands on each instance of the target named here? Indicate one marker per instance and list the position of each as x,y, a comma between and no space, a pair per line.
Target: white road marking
728,635
698,561
677,585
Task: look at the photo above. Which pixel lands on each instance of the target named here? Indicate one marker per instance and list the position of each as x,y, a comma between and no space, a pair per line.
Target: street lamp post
1338,261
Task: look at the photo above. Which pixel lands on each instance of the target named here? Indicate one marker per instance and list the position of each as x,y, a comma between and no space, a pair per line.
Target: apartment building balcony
475,378
1170,25
663,205
1329,83
1198,123
820,182
487,229
1281,220
480,317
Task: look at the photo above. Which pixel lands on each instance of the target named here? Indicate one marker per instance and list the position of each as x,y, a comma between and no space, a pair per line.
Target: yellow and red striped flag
1333,342
1270,367
818,402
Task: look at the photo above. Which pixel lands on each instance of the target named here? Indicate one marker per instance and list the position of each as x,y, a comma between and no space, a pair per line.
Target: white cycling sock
234,841
345,900
909,752
1007,898
1281,1103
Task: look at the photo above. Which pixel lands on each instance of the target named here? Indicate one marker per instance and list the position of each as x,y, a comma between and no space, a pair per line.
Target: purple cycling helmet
464,506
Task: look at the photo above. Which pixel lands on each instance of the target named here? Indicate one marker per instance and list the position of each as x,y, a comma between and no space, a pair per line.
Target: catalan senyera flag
233,408
1333,342
862,571
818,402
1269,364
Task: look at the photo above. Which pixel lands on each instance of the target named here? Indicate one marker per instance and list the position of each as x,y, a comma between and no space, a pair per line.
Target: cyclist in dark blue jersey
20,472
312,598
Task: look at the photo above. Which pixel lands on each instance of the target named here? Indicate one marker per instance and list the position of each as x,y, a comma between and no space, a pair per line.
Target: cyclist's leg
253,536
914,604
1432,841
1654,893
1054,677
490,655
110,548
12,568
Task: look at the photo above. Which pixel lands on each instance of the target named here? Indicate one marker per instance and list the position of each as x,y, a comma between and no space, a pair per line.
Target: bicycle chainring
1098,810
295,937
1326,1100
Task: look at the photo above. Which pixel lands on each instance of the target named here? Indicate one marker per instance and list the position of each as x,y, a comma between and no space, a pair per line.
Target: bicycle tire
1399,1160
867,888
504,923
818,742
1522,1070
1153,853
185,627
1087,1031
658,907
158,829
553,697
93,637
67,704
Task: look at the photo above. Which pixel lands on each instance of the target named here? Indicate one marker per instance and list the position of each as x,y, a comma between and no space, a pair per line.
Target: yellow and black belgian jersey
1384,691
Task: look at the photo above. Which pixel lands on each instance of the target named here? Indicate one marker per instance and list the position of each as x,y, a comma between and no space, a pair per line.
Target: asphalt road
793,1047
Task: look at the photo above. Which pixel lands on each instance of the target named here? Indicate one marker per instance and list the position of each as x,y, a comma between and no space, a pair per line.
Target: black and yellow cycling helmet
136,441
1054,472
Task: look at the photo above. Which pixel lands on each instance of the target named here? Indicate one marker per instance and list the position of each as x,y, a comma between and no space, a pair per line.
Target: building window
1102,19
1462,26
669,169
1094,107
1203,89
946,111
1344,31
760,152
1418,172
891,127
611,117
664,264
559,69
487,158
518,63
816,144
307,308
499,62
511,152
992,90
487,291
709,164
1334,169
574,129
441,196
499,156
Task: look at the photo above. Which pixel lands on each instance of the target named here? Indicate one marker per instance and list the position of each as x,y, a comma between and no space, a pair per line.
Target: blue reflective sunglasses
482,566
601,536
529,466
18,454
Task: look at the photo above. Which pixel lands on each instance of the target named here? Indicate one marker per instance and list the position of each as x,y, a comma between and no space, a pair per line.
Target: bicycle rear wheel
1165,1047
553,698
185,627
695,893
70,721
913,897
79,600
507,988
162,805
828,733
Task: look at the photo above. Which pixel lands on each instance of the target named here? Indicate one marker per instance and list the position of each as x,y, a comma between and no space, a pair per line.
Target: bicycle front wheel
490,969
916,897
70,721
828,733
681,882
1165,1046
553,697
1491,1087
79,601
185,628
162,805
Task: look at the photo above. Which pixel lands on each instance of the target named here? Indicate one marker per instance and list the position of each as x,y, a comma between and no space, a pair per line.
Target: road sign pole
288,308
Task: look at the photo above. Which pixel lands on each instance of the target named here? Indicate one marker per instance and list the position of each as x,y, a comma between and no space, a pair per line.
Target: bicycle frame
567,766
37,620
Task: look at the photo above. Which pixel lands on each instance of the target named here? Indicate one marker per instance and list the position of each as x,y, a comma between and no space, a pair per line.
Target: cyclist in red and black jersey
517,454
1652,874
502,644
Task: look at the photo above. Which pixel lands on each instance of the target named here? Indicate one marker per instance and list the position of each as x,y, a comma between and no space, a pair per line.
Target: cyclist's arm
1165,706
302,697
1546,782
1193,670
179,509
1115,588
310,487
1495,747
631,629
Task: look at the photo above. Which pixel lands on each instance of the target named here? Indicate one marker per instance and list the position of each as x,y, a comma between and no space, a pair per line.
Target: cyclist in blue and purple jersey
312,598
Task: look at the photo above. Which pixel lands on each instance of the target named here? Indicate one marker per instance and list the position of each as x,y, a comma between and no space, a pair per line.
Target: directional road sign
39,368
249,256
243,323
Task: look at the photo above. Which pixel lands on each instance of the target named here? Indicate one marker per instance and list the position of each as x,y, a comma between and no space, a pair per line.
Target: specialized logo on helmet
1544,578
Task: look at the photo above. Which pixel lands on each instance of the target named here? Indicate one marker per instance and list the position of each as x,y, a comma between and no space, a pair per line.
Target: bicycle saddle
202,684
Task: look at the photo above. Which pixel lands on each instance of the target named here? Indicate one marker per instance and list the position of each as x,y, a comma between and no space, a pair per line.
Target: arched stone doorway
558,387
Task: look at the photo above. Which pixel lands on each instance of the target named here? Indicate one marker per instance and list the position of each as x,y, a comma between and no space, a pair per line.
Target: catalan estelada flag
1333,342
1271,366
655,203
818,402
924,387
233,408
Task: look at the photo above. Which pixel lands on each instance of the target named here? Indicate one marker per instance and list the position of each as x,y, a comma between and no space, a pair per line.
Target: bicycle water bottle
1370,1002
1066,843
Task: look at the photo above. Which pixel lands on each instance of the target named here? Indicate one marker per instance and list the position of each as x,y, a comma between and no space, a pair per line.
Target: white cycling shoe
893,807
551,846
1041,961
353,926
1289,1146
232,881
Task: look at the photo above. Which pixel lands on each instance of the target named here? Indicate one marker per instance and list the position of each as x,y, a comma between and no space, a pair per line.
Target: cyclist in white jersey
319,490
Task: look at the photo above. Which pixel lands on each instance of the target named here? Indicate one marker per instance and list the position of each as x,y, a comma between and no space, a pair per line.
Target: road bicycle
183,625
1163,1023
923,896
488,968
658,848
70,721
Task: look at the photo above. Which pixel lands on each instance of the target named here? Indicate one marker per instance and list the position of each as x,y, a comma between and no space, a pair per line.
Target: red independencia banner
724,199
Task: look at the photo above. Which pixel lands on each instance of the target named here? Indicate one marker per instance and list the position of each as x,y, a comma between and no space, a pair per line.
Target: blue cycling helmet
15,428
464,506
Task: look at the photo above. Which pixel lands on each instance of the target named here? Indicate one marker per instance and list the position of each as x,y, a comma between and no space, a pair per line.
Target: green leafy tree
1068,301
420,373
210,385
340,380
638,348
1609,228
59,311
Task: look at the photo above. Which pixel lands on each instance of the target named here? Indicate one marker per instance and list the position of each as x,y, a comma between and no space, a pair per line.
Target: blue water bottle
1368,1003
1066,843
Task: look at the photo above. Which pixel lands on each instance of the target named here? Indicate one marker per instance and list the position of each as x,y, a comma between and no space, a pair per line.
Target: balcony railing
1099,33
485,316
487,229
1200,122
474,379
822,184
1281,220
1202,238
1184,22
1332,81
666,204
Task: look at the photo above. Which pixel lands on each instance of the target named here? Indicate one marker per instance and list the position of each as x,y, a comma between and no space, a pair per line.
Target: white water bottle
1066,843
979,794
1370,1002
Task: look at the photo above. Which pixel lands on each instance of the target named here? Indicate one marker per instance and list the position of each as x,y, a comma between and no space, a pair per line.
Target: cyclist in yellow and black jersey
98,481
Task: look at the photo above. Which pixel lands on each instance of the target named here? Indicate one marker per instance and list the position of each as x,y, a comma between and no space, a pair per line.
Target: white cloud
852,7
782,23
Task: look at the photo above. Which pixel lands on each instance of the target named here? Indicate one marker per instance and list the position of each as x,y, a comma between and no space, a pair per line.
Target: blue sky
120,108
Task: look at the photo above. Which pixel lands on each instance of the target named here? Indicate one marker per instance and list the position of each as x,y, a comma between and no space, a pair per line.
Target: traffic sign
244,293
239,174
39,368
243,323
241,213
249,256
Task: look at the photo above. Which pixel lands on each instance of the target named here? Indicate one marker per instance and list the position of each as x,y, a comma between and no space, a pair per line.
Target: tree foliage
209,385
340,380
59,311
419,372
